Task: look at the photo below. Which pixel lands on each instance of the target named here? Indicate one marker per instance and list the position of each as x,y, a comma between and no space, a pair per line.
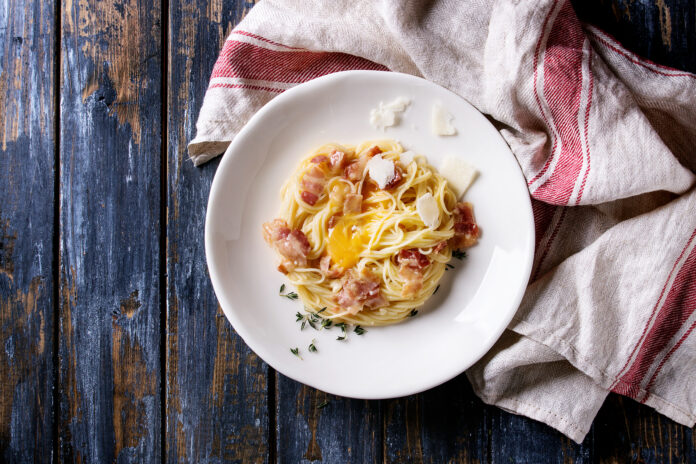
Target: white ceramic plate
457,325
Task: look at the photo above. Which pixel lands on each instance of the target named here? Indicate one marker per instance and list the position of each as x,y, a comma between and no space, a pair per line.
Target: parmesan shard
399,104
381,171
385,115
458,173
441,121
426,205
380,118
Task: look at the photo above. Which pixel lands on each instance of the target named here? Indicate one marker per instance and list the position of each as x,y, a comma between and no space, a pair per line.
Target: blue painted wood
217,396
27,175
110,147
663,31
445,424
519,439
625,430
314,426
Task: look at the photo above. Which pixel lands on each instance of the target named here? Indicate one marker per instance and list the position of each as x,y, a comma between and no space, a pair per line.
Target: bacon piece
374,151
439,247
412,264
291,244
319,159
338,159
352,203
313,183
398,175
413,281
309,198
466,231
413,258
332,272
354,171
275,230
359,292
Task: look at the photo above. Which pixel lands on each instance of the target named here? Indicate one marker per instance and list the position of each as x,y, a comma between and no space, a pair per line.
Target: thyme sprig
290,295
342,326
317,322
296,352
323,404
459,254
312,347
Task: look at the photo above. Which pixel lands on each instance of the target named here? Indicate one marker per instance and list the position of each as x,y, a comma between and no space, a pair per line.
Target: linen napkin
605,140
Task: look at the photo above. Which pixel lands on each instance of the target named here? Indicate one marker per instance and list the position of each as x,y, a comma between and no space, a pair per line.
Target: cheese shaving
381,170
458,173
385,115
428,211
441,121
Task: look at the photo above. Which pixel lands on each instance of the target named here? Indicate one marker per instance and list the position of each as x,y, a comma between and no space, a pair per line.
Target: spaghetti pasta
362,250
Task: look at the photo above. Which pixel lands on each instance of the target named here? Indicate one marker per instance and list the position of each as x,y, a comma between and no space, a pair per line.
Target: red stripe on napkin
678,306
247,61
562,91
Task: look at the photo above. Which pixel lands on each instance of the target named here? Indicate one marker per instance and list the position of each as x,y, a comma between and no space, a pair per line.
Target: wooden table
113,344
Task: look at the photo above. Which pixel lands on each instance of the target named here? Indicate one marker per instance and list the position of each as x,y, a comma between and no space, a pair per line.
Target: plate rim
227,305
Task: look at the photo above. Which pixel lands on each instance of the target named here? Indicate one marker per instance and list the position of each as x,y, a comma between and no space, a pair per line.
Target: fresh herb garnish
413,312
315,321
289,295
323,404
459,254
342,326
449,266
436,289
296,352
312,348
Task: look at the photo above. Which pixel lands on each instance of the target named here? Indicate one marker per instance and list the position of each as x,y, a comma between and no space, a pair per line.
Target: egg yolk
346,241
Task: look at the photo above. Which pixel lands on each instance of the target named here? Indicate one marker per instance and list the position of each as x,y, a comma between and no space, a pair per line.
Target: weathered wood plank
110,146
217,404
445,424
520,439
317,427
27,177
626,431
663,31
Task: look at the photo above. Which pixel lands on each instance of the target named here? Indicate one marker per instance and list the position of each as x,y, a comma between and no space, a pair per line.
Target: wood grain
27,175
663,31
110,145
445,424
519,439
626,430
317,427
217,399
